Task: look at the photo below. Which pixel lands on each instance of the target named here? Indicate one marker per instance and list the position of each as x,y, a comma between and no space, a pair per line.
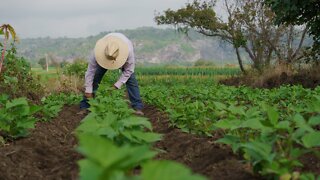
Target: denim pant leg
96,81
134,92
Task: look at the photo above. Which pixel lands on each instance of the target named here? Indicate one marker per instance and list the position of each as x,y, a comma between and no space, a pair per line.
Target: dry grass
65,84
307,76
280,70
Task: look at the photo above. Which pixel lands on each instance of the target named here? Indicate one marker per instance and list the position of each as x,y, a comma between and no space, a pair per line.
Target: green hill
152,46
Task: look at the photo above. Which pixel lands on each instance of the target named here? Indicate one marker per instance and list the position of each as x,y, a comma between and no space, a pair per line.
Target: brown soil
201,154
47,153
306,79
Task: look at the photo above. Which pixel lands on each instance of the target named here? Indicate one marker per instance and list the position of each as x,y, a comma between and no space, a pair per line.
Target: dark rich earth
47,153
201,154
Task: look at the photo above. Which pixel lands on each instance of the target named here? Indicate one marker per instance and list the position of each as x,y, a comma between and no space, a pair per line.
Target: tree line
269,31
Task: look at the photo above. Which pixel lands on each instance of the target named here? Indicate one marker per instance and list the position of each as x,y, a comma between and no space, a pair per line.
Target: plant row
271,128
118,145
209,71
18,115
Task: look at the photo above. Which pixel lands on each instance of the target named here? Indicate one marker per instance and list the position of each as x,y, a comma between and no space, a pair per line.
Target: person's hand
88,95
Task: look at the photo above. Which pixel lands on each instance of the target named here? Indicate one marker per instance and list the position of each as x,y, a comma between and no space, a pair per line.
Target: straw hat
111,52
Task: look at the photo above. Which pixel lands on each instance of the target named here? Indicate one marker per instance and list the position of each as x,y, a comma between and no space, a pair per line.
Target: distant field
182,71
43,74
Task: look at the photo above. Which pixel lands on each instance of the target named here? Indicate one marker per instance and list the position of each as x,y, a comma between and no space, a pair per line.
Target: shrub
16,80
78,68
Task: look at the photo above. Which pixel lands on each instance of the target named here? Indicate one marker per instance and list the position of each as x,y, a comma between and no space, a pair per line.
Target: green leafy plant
17,80
110,117
114,143
16,116
272,146
271,138
158,170
77,68
104,160
52,104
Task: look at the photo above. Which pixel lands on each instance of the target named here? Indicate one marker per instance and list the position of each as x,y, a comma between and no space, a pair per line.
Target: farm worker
113,51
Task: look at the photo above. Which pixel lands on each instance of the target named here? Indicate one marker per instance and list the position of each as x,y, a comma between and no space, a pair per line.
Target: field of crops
271,129
192,125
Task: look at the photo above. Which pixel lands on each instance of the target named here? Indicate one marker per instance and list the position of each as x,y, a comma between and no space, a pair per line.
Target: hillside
152,46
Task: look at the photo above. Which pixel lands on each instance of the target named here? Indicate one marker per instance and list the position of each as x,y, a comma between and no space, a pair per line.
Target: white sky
80,18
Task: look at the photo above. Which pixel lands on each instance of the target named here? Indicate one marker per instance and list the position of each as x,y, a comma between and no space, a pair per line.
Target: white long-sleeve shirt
127,68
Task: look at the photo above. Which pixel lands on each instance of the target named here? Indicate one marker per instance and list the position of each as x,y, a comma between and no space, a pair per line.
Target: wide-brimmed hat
111,52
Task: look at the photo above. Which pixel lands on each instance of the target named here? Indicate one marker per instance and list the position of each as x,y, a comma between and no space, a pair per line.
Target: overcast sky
80,18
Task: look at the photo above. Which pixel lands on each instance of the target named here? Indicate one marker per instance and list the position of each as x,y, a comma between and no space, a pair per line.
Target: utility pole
47,64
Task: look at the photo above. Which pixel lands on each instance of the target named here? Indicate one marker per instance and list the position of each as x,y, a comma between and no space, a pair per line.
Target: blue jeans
131,84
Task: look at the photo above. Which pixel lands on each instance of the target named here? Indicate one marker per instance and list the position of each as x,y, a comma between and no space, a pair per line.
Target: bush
16,79
78,68
202,62
16,117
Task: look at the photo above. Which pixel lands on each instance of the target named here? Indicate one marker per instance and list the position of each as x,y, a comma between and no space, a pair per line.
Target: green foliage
202,62
121,131
114,142
199,15
206,69
248,26
271,145
159,170
77,68
16,80
52,104
271,138
104,160
300,13
7,30
43,63
111,119
16,116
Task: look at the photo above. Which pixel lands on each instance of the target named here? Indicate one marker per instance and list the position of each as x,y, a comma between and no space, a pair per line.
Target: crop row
271,128
117,144
203,71
18,116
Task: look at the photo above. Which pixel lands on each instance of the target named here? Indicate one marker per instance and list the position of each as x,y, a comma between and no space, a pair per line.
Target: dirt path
48,152
199,153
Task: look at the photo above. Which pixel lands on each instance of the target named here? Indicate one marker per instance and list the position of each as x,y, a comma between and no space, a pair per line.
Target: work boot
83,112
138,112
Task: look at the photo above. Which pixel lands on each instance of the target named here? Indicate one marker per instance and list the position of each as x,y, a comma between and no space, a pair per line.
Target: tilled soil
47,153
201,154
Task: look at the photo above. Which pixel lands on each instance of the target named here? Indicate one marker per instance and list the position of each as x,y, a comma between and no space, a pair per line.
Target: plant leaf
273,115
137,121
159,170
311,139
314,120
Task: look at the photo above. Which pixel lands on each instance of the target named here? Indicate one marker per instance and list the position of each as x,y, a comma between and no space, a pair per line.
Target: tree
249,27
202,62
6,30
299,13
43,63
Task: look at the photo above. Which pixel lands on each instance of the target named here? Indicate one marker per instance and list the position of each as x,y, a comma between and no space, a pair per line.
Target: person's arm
128,69
92,67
